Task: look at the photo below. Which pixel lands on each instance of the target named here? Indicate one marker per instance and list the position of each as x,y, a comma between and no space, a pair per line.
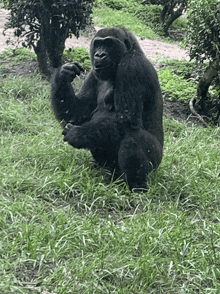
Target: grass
142,20
67,228
108,17
17,55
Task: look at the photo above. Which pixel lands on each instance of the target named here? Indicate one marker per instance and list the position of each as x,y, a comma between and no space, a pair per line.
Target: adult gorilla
117,113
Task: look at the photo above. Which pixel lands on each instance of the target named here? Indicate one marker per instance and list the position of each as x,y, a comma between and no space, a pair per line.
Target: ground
153,49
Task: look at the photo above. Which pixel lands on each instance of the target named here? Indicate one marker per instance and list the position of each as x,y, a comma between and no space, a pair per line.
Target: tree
44,25
203,41
172,9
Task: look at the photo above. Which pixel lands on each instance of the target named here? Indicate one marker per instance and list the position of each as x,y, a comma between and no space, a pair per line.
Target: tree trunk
173,15
206,80
55,37
163,13
42,59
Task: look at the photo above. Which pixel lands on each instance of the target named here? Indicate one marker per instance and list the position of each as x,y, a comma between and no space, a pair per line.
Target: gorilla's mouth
100,66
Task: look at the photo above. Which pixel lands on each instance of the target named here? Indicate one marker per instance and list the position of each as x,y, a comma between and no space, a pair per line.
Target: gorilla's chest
105,97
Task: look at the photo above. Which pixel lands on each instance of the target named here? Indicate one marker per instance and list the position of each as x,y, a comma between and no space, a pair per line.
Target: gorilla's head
108,48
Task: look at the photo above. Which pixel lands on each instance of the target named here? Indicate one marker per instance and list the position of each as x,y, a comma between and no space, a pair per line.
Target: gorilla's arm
68,106
103,132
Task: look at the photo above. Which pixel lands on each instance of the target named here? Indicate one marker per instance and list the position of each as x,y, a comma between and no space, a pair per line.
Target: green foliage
1,3
80,54
180,23
126,5
203,40
169,3
171,10
116,4
108,17
203,31
175,80
150,16
14,109
183,68
17,55
176,87
149,13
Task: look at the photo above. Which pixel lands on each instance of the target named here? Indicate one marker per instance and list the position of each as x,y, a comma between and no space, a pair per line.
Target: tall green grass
108,17
67,228
143,20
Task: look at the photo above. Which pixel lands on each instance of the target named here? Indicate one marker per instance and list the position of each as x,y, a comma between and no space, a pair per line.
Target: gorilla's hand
69,71
71,135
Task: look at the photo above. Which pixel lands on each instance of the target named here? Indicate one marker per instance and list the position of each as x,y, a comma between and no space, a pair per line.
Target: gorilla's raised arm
68,106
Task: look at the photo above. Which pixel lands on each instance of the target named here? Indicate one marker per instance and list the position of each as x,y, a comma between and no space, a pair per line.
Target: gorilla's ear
127,44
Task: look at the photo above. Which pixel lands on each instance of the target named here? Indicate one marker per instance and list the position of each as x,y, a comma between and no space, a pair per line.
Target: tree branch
192,109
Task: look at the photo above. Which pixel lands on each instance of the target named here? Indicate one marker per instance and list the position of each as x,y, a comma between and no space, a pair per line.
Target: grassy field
67,228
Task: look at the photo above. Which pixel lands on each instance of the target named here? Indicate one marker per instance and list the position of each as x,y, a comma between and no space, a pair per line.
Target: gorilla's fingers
79,66
63,123
70,75
70,70
64,132
73,66
69,126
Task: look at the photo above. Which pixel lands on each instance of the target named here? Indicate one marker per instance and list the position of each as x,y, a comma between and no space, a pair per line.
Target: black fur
117,114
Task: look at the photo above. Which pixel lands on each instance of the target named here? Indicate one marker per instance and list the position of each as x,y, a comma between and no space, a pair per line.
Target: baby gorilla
117,113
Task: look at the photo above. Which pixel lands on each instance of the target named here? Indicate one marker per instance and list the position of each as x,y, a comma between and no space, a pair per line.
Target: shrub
203,41
45,25
150,15
171,10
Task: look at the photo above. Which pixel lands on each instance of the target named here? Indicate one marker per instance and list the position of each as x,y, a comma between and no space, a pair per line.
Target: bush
203,32
45,25
116,4
203,41
171,10
150,15
17,55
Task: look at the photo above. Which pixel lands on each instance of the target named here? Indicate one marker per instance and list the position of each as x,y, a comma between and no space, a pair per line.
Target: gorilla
117,113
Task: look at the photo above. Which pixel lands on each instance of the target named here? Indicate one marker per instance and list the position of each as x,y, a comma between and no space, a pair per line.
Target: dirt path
152,48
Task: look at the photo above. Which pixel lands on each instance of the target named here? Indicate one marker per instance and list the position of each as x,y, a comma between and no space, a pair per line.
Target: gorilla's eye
109,42
97,43
106,42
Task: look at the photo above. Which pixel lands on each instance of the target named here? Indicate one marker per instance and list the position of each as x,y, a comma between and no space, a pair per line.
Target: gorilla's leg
139,154
107,158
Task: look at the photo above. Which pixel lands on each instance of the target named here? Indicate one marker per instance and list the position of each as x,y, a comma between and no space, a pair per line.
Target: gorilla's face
106,53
